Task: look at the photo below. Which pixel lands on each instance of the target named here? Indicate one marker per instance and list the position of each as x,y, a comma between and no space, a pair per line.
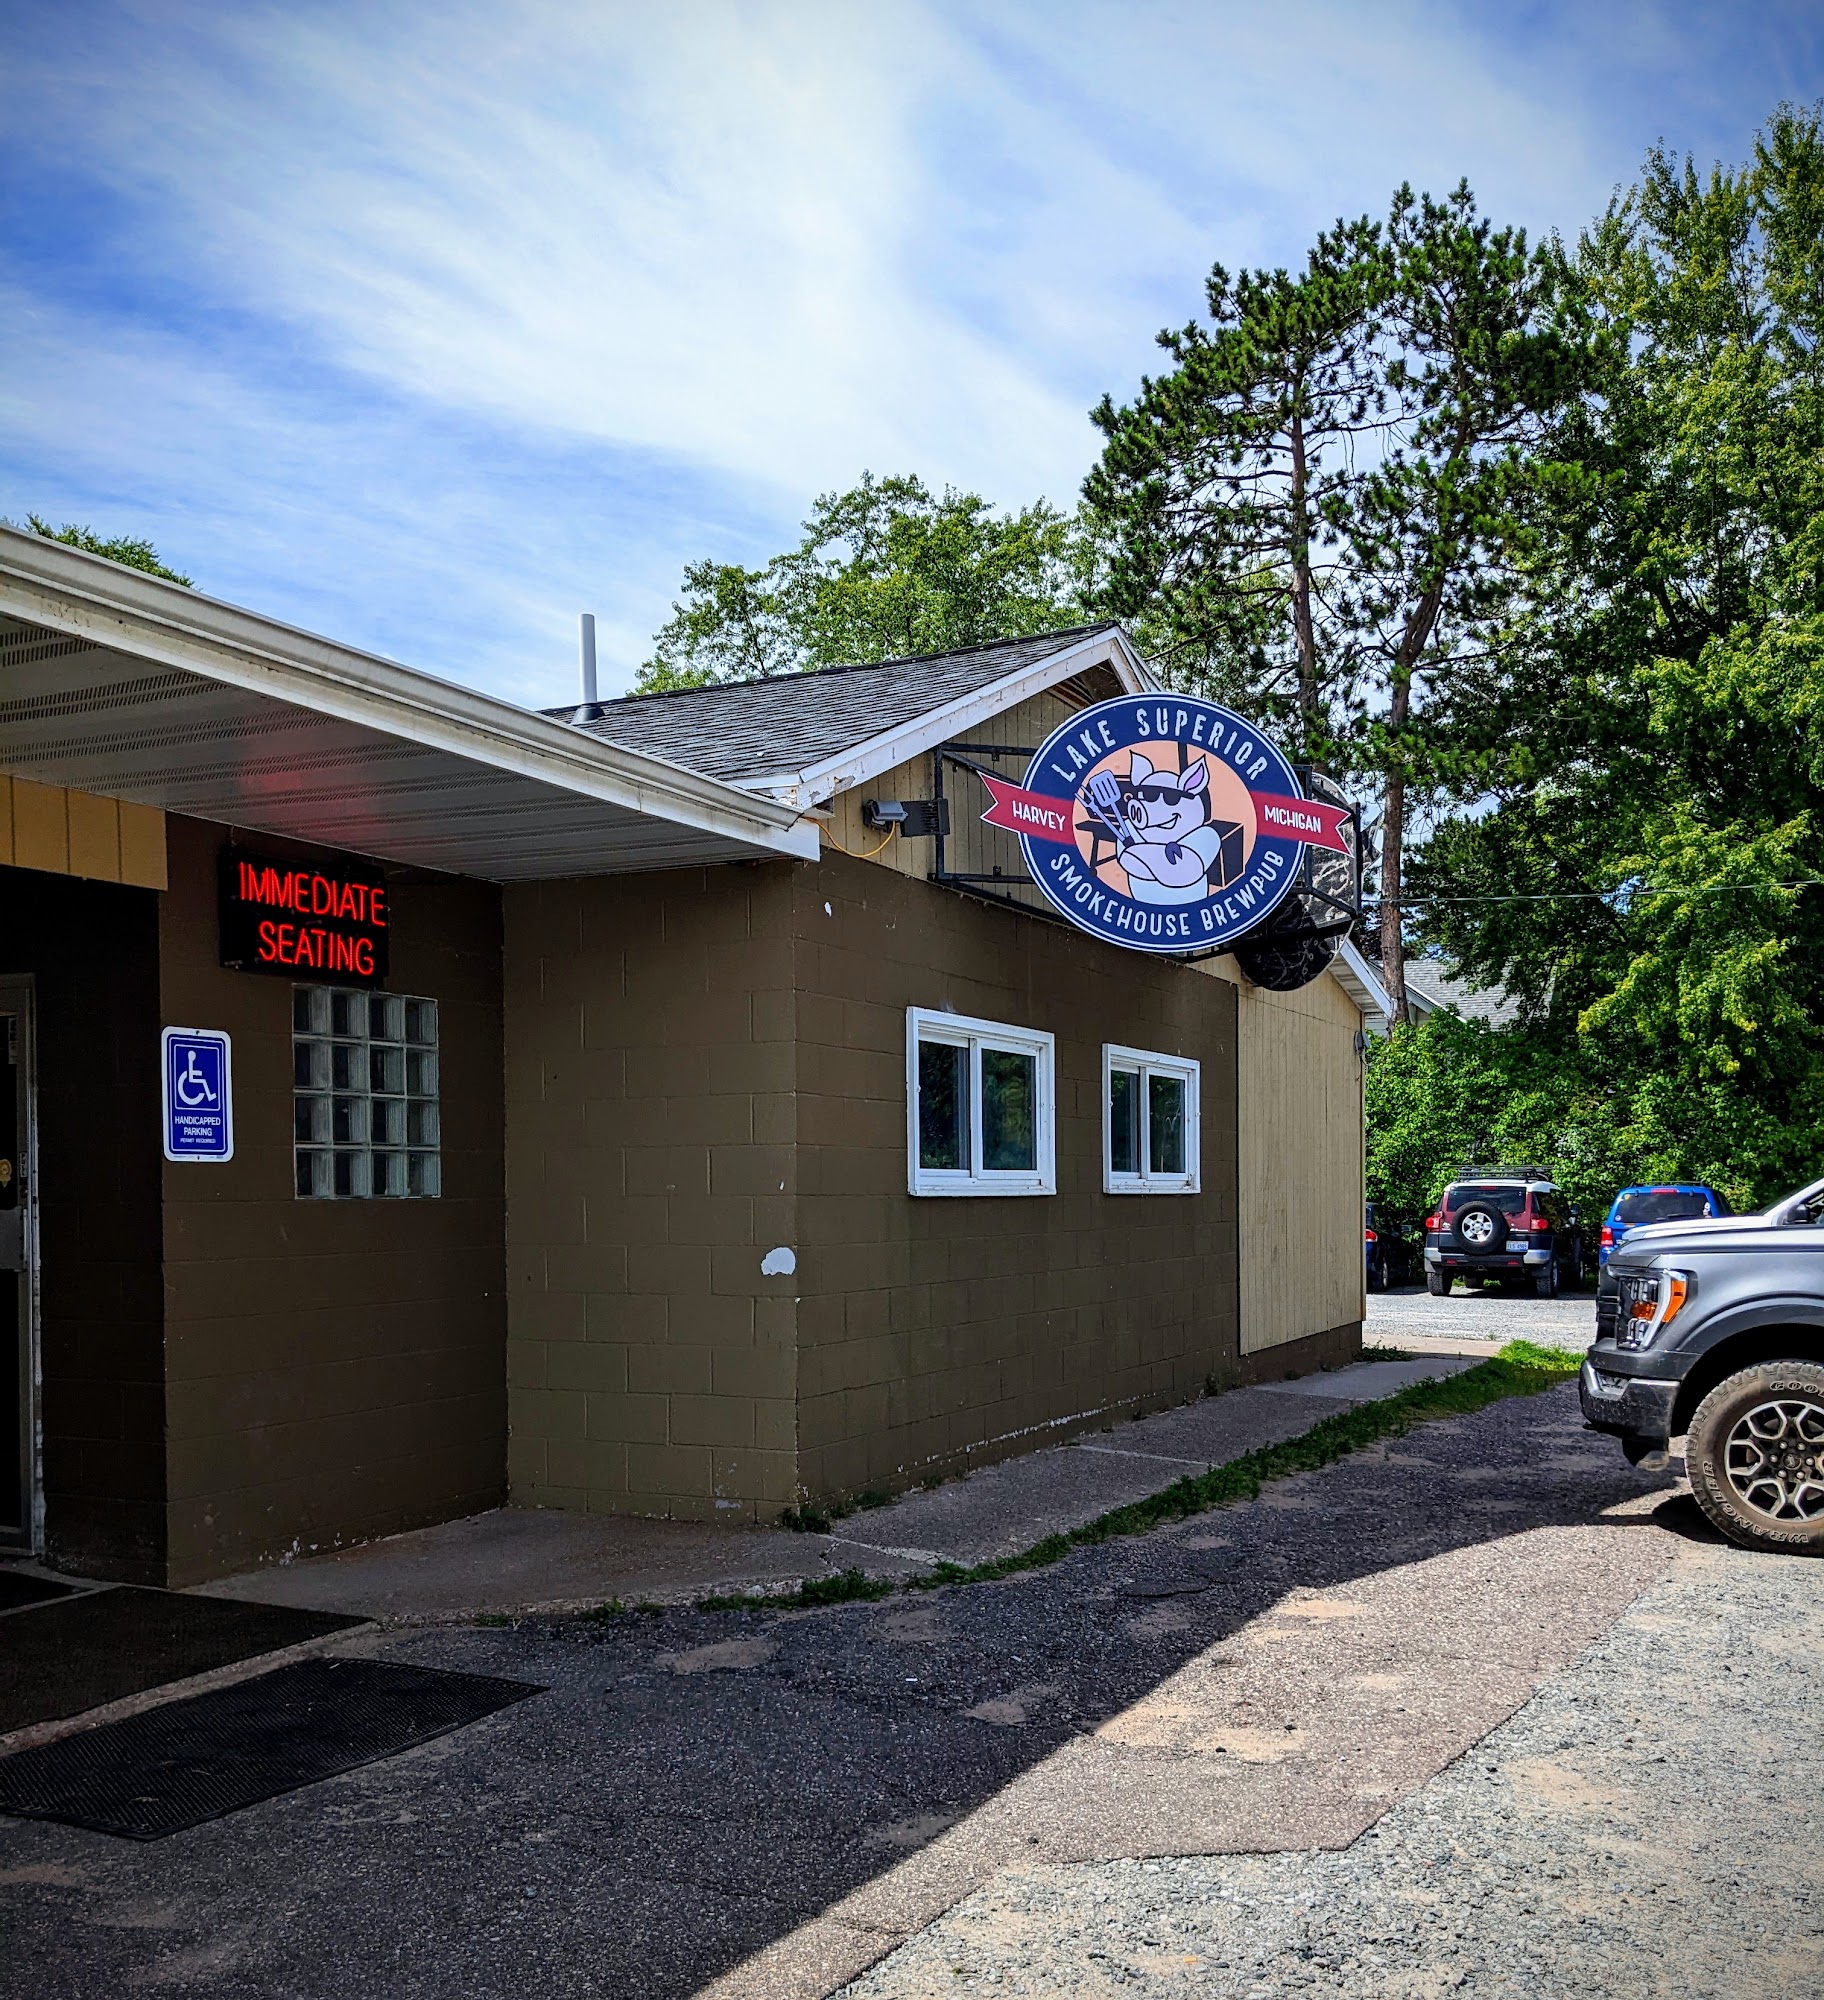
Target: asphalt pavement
1481,1709
766,1802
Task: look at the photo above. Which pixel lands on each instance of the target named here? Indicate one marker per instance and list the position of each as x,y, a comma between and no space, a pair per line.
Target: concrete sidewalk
518,1560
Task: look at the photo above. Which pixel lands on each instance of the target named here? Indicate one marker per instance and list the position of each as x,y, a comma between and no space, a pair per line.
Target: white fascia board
1362,983
855,766
122,610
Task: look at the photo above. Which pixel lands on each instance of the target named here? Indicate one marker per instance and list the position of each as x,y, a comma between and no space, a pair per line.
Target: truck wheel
1437,1284
1546,1283
1755,1457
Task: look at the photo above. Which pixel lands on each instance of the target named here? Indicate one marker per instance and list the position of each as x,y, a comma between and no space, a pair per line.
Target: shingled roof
745,732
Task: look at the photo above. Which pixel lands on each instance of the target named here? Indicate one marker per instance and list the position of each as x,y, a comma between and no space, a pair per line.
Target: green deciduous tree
1443,1094
131,550
884,571
1662,805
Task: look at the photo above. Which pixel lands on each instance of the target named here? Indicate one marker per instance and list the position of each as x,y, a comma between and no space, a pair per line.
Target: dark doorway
18,1274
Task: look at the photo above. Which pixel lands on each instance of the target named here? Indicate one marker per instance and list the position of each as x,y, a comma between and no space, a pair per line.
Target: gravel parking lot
1566,1321
761,1803
1645,1824
1479,1709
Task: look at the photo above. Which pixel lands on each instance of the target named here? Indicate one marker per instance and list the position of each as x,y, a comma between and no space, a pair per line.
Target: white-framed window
980,1100
1149,1123
365,1112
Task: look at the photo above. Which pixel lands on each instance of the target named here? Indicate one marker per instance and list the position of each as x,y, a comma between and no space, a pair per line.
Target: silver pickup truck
1713,1330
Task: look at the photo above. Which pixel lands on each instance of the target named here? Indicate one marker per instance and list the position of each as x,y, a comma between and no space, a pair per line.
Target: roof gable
803,736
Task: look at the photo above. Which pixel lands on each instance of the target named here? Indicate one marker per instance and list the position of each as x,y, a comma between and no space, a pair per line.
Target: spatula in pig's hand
1103,797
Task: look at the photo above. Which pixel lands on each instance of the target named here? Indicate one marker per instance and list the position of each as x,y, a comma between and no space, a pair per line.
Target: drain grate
212,1754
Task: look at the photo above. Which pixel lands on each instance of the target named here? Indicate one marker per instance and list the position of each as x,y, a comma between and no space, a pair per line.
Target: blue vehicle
1381,1254
1671,1201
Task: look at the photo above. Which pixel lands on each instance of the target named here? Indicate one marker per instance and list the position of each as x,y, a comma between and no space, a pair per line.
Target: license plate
1516,1243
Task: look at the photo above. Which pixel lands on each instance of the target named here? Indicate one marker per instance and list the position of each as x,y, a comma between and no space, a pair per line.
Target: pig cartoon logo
1163,822
1167,842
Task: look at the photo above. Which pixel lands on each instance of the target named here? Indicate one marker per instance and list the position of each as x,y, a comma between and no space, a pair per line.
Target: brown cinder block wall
722,1295
335,1370
651,1092
938,1332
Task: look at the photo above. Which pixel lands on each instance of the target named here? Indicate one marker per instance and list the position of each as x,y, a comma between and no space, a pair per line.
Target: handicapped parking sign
198,1094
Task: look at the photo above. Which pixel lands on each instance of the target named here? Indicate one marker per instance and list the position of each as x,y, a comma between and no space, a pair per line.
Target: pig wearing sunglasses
1171,846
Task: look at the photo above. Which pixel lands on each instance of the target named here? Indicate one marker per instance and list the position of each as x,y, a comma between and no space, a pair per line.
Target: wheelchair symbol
192,1087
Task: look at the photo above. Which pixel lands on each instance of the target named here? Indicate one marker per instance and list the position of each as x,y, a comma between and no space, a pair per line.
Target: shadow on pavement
1679,1514
696,1785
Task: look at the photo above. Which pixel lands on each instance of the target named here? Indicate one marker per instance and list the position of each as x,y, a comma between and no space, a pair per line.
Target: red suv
1509,1226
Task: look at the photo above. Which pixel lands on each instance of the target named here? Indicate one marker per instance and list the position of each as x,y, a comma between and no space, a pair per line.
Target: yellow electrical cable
829,835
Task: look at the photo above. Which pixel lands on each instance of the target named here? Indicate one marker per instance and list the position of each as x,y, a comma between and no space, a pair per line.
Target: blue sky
427,326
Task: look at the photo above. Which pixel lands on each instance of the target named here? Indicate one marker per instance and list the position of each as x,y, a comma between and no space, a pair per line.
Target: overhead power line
1605,895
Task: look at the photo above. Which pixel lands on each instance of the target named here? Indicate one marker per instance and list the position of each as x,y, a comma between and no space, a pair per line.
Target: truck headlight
1649,1304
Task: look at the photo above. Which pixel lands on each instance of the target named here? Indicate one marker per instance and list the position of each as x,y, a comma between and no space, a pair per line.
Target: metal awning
124,685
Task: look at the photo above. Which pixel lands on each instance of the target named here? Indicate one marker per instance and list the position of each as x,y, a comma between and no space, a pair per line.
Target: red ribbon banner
1309,820
1030,813
1042,817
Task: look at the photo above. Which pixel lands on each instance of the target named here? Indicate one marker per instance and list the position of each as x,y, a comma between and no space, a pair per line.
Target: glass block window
365,1118
979,1107
1150,1123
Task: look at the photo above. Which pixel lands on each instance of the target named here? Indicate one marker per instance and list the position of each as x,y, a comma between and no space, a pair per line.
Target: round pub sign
1162,822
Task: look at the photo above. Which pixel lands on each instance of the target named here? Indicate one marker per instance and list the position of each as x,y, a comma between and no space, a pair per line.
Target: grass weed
843,1586
1521,1368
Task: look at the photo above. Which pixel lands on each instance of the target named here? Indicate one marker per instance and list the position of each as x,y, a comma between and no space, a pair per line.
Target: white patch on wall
827,911
780,1263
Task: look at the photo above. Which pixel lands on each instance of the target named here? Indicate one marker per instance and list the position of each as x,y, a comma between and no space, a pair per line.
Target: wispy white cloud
431,322
449,547
685,230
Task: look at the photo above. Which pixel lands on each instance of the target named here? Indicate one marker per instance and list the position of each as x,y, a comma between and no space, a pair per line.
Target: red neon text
311,895
305,944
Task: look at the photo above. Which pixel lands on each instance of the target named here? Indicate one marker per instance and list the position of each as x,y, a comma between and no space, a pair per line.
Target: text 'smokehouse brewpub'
1163,822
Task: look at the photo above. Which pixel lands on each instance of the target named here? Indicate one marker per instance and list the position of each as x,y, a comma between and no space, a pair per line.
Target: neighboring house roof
1432,984
803,737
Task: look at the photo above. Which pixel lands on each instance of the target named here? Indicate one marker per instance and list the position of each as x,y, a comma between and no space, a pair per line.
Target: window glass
1010,1133
979,1115
1151,1137
1124,1121
1511,1201
365,1120
1660,1205
1165,1124
943,1106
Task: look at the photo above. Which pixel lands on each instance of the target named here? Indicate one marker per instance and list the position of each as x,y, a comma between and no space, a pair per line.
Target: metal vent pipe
586,644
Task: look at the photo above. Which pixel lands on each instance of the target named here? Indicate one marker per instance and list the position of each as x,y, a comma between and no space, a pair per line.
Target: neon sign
326,921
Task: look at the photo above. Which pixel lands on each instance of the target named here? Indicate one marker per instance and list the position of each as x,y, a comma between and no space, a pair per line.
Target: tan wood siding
1299,1140
61,832
972,848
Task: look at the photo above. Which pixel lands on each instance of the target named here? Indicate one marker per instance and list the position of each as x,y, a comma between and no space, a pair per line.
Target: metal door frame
18,998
